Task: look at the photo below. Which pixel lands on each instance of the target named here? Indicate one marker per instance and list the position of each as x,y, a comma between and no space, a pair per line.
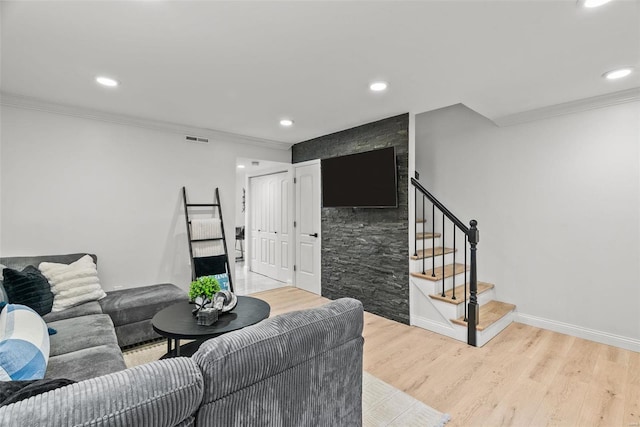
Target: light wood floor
524,377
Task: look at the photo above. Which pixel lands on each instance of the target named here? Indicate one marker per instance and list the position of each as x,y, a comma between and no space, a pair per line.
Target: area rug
382,404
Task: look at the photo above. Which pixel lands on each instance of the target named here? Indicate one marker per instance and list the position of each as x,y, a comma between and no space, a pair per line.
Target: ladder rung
210,205
206,240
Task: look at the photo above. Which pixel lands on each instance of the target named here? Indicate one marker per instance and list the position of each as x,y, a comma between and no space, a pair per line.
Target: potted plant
202,290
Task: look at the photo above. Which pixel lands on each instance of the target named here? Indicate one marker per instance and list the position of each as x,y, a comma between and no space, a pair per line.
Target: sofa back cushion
299,368
24,344
20,262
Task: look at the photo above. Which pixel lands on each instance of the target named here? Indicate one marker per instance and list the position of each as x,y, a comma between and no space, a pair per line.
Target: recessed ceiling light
240,166
378,86
286,122
107,81
617,73
593,3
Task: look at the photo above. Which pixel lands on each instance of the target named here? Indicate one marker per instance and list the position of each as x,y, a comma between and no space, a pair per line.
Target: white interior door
284,236
254,224
307,272
270,225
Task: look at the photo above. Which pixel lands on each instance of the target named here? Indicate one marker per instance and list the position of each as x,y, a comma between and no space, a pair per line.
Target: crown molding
29,103
607,100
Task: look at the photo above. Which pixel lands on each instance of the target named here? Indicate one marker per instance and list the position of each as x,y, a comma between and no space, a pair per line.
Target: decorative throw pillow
24,344
28,287
3,293
223,280
72,284
15,391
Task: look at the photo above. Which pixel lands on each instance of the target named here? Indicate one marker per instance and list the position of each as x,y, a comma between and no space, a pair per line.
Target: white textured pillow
72,284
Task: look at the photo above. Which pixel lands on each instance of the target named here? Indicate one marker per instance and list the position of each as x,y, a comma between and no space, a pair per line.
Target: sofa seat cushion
135,304
85,309
86,363
79,333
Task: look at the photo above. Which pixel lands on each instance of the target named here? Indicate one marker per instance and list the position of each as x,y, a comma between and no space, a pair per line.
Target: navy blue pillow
15,391
28,287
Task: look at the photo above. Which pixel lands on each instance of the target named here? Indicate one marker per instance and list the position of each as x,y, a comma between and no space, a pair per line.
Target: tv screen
365,180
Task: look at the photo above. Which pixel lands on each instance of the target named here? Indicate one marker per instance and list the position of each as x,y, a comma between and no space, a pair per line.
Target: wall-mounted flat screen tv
362,180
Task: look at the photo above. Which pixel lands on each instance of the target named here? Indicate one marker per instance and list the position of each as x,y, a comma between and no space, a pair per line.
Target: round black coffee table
176,322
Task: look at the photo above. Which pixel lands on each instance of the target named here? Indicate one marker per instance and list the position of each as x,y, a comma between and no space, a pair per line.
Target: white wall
558,208
72,184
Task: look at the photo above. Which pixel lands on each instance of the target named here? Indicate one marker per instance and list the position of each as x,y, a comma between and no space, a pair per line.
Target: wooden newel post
474,308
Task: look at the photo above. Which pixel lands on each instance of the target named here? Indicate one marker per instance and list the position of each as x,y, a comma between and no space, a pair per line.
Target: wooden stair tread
448,271
482,287
428,253
490,313
427,236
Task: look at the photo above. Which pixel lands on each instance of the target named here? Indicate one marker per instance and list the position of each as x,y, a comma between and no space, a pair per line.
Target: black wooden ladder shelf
207,257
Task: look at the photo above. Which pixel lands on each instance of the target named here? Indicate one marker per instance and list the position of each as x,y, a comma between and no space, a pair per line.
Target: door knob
314,235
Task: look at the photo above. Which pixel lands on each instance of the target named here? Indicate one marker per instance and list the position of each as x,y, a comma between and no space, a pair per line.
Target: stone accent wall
365,252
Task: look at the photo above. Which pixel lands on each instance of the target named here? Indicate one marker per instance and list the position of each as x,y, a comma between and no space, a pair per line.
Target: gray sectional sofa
89,336
298,369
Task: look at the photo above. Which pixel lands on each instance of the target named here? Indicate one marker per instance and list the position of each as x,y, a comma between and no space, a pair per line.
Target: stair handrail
473,237
440,206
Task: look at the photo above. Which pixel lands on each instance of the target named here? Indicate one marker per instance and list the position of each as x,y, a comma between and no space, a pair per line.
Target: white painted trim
607,100
307,163
579,331
457,333
29,103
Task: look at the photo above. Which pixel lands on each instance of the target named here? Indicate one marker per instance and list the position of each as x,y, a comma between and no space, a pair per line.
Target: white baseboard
579,331
452,331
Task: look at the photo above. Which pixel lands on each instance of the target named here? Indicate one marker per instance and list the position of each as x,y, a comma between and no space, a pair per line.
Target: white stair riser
485,336
416,264
426,243
455,311
433,315
435,287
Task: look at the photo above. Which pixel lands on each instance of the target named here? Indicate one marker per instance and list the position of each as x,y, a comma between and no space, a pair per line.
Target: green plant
205,287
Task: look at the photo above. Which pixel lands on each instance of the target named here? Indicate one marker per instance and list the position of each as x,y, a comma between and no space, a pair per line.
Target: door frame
249,210
295,260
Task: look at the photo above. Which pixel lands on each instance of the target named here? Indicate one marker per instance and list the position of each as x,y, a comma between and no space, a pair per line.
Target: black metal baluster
423,228
454,262
443,251
433,240
465,280
415,206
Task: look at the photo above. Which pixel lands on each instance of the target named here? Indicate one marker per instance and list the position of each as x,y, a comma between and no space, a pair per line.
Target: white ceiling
241,66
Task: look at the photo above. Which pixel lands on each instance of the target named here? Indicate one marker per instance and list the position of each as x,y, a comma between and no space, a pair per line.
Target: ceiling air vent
197,139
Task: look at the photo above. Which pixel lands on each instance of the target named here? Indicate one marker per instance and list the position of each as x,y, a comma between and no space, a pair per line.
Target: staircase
445,295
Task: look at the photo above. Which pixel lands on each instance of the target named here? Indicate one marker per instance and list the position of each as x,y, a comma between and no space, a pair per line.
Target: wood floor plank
524,376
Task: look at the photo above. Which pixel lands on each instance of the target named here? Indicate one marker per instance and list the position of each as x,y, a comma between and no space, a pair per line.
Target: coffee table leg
177,347
168,345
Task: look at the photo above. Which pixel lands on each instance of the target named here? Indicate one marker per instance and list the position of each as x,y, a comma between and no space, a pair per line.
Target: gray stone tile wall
365,252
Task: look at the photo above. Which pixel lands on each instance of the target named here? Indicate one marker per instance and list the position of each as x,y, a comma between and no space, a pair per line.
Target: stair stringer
424,314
